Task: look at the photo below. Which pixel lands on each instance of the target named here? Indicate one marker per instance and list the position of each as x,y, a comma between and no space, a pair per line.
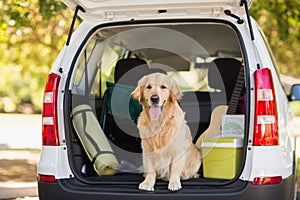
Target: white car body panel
124,9
54,161
268,162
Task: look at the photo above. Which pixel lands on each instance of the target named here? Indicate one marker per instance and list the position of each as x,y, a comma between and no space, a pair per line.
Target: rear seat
223,75
198,106
116,119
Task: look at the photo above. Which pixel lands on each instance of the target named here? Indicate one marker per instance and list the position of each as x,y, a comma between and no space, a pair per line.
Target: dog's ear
138,92
175,93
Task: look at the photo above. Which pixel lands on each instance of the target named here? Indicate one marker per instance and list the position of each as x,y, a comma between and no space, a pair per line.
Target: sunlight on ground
20,131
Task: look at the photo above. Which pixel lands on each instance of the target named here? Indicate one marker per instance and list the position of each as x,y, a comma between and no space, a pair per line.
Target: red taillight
267,180
266,120
46,178
50,128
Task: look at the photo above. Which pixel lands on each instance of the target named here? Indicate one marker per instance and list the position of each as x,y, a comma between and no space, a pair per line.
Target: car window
105,69
192,80
111,55
82,62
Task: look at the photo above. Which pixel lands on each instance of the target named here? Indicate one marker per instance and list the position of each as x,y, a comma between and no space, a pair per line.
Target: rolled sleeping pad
94,141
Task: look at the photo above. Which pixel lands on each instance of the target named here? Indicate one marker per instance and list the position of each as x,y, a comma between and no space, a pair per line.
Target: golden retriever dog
168,151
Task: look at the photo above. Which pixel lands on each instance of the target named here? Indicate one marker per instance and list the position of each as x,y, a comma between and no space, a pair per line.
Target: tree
279,19
31,37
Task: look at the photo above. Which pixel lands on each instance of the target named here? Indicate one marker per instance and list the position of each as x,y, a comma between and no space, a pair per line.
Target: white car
219,58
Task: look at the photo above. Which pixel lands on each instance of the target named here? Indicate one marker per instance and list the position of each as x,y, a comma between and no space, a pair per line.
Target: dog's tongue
154,112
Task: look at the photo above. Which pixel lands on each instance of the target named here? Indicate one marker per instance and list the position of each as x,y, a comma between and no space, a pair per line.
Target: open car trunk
204,57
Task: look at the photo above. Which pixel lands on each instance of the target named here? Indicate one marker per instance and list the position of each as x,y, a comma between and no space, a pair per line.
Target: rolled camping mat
94,141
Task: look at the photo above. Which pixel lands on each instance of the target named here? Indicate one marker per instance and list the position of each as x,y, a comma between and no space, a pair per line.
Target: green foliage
279,19
30,39
295,106
49,8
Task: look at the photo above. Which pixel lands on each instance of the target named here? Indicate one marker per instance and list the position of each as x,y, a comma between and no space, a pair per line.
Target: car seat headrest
129,71
223,74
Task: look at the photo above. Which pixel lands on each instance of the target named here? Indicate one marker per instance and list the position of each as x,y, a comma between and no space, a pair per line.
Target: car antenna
73,23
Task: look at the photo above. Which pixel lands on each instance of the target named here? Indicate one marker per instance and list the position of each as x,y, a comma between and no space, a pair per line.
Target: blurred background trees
280,21
33,32
31,35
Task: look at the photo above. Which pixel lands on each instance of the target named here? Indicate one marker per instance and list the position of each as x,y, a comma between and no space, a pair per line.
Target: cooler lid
223,142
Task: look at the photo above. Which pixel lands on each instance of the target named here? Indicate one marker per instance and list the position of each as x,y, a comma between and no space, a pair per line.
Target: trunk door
99,10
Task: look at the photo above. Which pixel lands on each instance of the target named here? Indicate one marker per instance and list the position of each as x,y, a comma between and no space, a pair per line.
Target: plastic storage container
221,157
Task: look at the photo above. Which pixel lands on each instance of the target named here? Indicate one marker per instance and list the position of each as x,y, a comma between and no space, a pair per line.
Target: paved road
20,131
17,190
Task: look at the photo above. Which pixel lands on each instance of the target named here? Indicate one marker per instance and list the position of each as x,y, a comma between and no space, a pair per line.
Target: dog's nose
154,99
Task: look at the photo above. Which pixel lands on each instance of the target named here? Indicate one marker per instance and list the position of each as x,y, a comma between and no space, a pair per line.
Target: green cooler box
221,157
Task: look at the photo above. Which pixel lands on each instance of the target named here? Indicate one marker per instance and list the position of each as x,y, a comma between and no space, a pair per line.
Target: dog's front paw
145,185
174,185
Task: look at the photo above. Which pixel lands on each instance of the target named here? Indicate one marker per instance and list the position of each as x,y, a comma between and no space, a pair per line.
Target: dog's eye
163,87
149,87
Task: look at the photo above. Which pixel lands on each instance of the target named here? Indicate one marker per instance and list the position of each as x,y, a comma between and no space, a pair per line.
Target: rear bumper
64,189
